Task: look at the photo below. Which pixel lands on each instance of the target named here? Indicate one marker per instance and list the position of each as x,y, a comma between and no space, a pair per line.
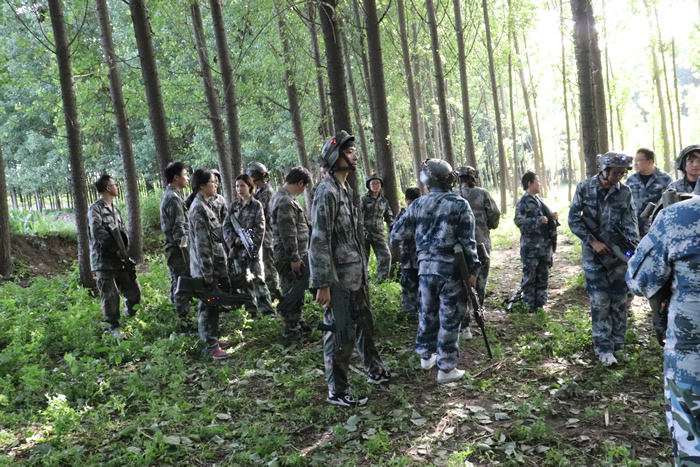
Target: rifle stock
477,307
128,263
616,241
195,287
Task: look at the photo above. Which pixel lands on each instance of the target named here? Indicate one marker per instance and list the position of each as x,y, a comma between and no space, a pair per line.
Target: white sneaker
429,363
607,359
450,376
467,333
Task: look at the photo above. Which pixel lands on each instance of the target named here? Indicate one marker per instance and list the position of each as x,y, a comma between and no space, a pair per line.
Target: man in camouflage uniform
688,162
409,264
538,241
670,253
105,259
263,193
339,272
174,225
290,241
376,211
439,221
607,202
647,185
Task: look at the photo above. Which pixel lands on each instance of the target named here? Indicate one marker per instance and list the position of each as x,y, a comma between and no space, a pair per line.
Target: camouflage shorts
683,419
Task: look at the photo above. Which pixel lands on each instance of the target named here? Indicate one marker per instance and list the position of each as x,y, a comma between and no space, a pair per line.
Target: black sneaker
346,400
378,378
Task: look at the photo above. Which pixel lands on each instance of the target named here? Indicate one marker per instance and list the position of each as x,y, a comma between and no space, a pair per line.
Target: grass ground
71,395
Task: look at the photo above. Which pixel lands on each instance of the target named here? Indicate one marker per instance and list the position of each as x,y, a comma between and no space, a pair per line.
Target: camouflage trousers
535,281
208,319
409,291
440,318
291,316
253,268
112,283
177,267
482,279
607,290
683,419
381,251
351,319
270,275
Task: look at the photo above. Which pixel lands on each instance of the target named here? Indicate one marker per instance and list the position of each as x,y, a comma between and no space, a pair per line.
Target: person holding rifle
112,266
247,212
601,209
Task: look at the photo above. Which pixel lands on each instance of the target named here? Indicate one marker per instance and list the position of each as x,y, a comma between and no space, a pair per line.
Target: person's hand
472,281
237,241
323,296
555,215
296,266
545,220
209,280
600,247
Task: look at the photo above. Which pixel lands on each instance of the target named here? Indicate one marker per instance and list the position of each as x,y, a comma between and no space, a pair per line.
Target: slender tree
326,127
363,55
75,148
464,86
665,73
675,89
513,129
570,173
6,267
598,82
528,108
415,60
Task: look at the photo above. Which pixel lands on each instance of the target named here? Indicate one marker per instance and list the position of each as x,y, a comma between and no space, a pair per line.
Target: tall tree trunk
412,100
608,86
542,169
674,146
506,135
363,55
415,59
6,267
464,85
447,149
75,149
230,102
513,129
212,102
619,126
570,172
675,90
598,84
382,136
528,108
437,144
581,156
131,189
149,74
326,127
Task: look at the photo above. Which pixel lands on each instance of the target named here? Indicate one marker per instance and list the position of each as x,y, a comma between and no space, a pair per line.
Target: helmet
468,170
614,159
331,150
683,156
373,177
437,173
257,171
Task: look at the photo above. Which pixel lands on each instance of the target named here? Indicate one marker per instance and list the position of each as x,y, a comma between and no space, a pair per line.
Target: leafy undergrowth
72,395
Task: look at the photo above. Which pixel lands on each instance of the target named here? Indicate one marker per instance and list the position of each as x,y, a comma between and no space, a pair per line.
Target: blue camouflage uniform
438,221
536,249
643,194
605,275
409,274
682,185
671,252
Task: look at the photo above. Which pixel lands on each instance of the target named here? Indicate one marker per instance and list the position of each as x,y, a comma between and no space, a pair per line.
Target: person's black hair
200,177
173,169
468,179
648,153
528,178
298,174
412,193
247,179
102,182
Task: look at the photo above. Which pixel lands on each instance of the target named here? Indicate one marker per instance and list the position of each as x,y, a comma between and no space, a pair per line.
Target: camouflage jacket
643,194
409,255
335,252
218,205
264,194
207,255
606,209
173,217
375,212
290,232
104,254
251,217
671,251
485,210
438,221
682,185
536,240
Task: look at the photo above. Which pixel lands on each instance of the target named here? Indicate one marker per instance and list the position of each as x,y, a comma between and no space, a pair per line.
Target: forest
125,87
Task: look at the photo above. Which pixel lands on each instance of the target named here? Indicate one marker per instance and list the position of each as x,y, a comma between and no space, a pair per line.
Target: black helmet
614,159
437,173
683,156
373,177
468,170
331,150
257,171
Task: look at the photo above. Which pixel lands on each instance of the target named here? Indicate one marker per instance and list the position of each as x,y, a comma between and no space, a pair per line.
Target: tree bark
447,149
230,102
513,129
212,102
675,89
326,127
528,108
149,74
131,190
542,169
668,91
570,173
608,73
415,59
363,55
464,85
6,267
437,151
75,149
598,83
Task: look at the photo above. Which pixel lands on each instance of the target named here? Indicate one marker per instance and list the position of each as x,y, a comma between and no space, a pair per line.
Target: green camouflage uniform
174,225
376,212
251,218
112,277
264,194
207,259
290,242
337,261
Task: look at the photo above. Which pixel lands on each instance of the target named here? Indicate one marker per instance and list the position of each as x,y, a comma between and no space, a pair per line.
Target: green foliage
32,222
